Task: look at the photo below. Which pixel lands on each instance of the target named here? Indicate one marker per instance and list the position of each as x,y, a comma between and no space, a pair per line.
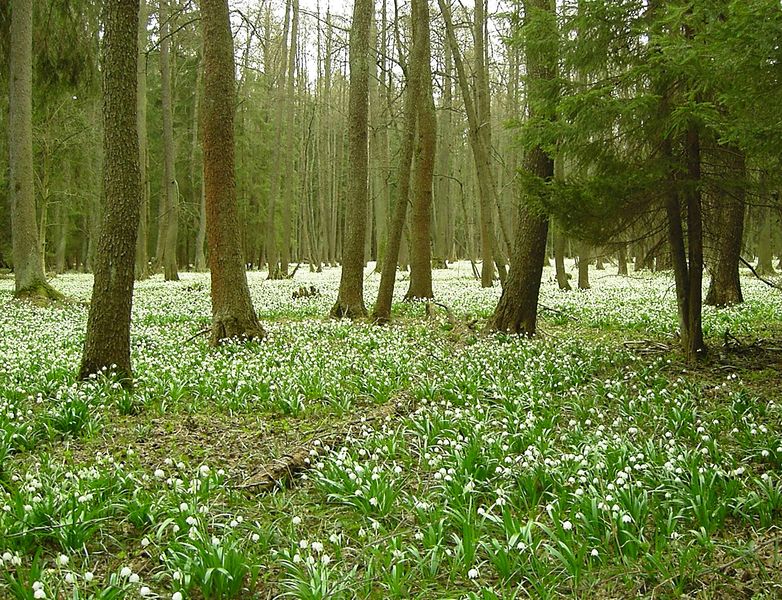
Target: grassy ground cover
431,460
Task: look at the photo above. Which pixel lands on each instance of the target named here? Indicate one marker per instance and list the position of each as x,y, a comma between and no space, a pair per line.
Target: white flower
39,594
37,585
134,578
159,473
594,552
62,560
125,572
567,525
317,547
89,576
176,596
145,542
627,519
296,520
69,578
144,591
472,573
255,537
325,559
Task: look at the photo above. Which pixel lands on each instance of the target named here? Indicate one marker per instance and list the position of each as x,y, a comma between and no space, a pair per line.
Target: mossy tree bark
29,276
350,301
107,343
233,315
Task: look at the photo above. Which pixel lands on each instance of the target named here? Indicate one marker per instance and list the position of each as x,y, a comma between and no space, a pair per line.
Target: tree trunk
559,259
396,248
765,264
233,315
584,253
170,187
517,310
107,342
142,260
272,250
421,210
622,259
486,184
350,301
725,286
29,276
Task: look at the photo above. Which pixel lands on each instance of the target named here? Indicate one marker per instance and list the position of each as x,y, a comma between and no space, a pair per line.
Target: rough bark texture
29,276
517,309
421,210
725,286
233,315
107,343
350,301
170,187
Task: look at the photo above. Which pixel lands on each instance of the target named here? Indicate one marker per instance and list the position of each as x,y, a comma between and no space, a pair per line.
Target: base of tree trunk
234,328
348,310
413,296
722,296
39,291
276,274
439,263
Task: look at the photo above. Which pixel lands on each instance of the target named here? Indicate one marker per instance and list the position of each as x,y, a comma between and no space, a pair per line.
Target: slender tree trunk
765,264
421,211
559,259
170,188
233,315
350,302
196,166
142,259
486,184
29,276
107,342
289,177
395,248
272,250
622,259
583,265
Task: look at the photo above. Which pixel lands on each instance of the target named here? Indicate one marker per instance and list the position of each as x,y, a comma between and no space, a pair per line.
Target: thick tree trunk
170,187
233,315
29,276
107,343
350,301
421,210
725,286
516,312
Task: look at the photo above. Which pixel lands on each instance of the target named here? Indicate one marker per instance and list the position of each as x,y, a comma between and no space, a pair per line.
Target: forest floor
425,459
